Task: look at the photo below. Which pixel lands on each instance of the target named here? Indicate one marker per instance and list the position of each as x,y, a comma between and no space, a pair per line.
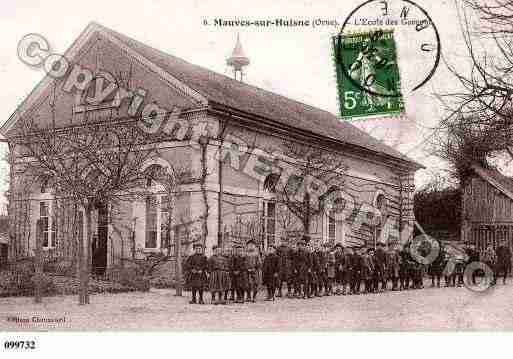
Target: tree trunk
87,254
132,240
39,266
85,259
81,265
307,214
178,263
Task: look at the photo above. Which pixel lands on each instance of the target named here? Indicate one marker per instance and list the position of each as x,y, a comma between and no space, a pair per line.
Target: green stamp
367,73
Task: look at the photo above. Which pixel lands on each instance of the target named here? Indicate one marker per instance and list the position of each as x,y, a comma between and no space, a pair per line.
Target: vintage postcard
273,166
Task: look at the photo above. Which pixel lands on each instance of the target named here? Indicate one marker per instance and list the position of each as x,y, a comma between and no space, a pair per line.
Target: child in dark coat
271,272
196,268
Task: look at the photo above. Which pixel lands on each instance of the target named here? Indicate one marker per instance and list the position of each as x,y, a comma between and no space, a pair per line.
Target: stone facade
223,202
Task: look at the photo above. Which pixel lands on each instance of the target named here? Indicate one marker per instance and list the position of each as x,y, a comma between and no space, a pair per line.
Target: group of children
308,270
305,271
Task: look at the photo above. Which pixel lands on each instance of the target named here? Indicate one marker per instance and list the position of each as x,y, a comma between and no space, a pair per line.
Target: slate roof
221,89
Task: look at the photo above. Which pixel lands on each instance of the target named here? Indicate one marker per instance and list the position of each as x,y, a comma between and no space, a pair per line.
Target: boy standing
369,271
330,272
380,267
356,267
253,268
219,275
271,272
301,268
239,274
196,267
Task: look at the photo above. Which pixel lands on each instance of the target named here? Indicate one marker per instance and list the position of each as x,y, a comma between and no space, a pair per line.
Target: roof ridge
116,33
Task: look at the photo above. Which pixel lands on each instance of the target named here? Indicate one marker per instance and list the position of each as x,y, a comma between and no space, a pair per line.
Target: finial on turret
238,60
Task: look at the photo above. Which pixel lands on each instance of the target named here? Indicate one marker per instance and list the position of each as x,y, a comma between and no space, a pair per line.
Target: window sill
151,250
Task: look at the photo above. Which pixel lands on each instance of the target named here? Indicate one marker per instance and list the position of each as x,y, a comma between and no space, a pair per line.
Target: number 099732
20,345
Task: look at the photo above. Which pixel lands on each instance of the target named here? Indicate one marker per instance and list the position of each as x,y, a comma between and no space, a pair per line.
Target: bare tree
287,221
171,177
479,112
317,173
93,165
463,142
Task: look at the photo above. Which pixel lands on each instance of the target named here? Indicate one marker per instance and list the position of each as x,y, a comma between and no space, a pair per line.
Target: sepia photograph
272,167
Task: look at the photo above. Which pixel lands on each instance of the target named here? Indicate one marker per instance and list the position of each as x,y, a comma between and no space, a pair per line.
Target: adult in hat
271,272
392,265
239,273
219,275
380,259
331,271
254,270
302,265
285,268
503,260
356,271
339,268
196,268
227,254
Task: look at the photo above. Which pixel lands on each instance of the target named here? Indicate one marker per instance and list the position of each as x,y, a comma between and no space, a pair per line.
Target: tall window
332,228
157,216
48,225
164,218
151,222
270,222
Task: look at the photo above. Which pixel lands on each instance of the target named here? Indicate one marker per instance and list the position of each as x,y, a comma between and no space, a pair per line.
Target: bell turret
238,60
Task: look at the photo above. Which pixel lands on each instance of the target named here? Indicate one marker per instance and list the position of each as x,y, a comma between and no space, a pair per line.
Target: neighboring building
235,206
487,208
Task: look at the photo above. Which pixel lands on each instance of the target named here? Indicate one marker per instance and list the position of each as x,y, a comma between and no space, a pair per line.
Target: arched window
331,229
269,210
380,203
157,211
46,216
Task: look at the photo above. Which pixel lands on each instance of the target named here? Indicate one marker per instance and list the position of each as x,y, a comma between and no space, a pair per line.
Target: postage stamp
367,74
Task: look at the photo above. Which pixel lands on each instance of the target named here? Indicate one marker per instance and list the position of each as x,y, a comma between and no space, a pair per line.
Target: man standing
239,274
227,254
195,268
313,277
339,269
219,275
490,260
436,268
404,268
503,260
271,272
472,256
331,272
380,267
320,270
302,268
369,274
285,269
254,270
393,261
348,271
356,271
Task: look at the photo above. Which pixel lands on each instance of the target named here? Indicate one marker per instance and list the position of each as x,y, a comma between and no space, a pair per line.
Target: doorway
99,245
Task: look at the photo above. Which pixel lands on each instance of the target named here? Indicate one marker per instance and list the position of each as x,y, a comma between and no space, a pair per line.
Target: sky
292,61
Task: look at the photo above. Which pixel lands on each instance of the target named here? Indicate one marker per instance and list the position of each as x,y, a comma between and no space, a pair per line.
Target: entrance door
100,242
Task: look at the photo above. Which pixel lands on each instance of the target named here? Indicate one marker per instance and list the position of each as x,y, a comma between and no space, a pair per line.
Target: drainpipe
220,194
